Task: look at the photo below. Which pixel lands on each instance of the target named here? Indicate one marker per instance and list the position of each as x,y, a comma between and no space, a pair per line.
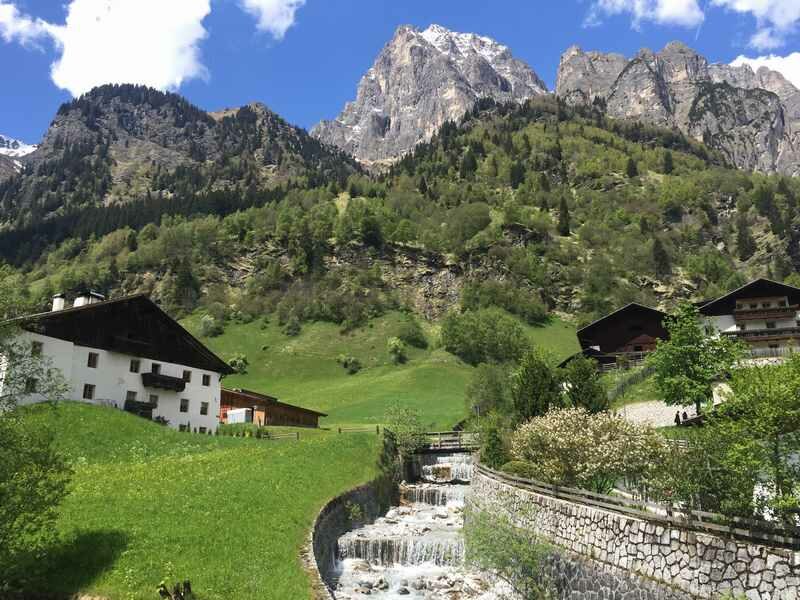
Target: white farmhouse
764,314
129,354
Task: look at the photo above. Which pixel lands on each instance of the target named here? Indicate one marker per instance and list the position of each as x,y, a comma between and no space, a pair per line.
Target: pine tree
517,175
468,165
631,169
745,243
661,259
563,217
667,166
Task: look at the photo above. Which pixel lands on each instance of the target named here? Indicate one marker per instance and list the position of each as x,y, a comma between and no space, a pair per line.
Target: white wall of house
113,379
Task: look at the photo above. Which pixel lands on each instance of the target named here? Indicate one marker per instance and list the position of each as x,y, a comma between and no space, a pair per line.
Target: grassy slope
303,370
149,503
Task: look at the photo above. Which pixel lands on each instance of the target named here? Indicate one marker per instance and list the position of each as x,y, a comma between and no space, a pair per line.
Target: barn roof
265,400
132,325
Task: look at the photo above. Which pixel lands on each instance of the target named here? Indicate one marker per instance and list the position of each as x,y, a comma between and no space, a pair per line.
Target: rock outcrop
420,80
751,118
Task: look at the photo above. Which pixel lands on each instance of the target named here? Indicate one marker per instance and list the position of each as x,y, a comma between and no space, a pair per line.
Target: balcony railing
778,333
163,382
772,312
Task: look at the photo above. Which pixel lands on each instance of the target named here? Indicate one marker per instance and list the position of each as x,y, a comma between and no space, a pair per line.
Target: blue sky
303,58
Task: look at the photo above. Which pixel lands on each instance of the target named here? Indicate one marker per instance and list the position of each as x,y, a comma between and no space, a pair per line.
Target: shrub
210,327
239,363
573,447
484,335
583,386
519,468
350,363
292,327
411,333
488,390
397,350
494,431
515,299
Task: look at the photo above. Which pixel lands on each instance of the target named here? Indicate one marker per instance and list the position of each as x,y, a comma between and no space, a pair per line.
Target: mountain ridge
752,117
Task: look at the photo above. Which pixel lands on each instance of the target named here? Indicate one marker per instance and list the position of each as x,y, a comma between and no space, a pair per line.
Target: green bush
519,468
411,333
210,327
484,335
351,364
513,298
239,363
397,350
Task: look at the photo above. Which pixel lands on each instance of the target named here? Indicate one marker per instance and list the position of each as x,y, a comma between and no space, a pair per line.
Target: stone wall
334,520
683,563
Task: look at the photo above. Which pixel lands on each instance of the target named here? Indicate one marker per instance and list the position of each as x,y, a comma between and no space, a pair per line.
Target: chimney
59,302
85,298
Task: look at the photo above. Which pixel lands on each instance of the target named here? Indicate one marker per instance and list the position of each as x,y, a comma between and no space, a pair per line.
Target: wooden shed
267,410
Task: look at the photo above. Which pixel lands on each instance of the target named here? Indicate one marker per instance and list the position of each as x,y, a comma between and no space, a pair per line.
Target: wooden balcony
766,335
163,382
774,313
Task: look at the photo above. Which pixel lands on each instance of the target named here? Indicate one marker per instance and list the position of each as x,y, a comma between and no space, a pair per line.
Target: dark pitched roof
617,328
759,288
131,325
268,400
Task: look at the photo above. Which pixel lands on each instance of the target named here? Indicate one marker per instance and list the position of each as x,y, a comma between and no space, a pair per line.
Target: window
754,305
130,396
154,400
155,369
91,362
36,348
30,385
187,376
184,405
136,364
206,380
88,391
638,348
773,346
770,324
203,430
782,303
204,408
182,428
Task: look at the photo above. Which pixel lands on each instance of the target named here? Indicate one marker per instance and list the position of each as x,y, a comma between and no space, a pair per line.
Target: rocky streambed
416,550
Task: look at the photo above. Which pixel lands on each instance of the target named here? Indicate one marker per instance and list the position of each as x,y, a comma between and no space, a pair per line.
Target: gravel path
655,413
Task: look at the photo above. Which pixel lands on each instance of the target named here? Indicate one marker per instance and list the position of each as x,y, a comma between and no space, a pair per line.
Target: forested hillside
532,208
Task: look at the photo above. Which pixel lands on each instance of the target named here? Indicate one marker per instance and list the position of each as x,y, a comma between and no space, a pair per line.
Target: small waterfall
443,468
416,551
407,551
435,495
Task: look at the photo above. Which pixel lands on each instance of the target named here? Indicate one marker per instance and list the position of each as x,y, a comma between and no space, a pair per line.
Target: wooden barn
630,332
267,410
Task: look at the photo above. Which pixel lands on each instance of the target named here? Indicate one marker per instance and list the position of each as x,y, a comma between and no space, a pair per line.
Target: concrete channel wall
606,555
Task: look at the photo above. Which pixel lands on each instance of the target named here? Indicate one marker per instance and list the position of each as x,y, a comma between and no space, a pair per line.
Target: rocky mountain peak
14,148
753,119
420,80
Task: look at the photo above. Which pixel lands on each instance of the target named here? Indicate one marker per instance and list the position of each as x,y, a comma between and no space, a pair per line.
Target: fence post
298,435
377,429
340,430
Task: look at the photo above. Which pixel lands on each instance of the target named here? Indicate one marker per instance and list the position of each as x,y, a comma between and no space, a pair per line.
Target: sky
304,58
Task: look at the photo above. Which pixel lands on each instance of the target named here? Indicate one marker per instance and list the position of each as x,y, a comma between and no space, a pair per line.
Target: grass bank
149,504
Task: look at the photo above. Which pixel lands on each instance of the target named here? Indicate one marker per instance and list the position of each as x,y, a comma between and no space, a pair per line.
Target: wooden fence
451,440
749,530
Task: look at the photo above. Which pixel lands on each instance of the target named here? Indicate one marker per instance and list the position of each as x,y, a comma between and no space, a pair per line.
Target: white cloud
149,42
788,66
273,16
16,27
775,19
685,13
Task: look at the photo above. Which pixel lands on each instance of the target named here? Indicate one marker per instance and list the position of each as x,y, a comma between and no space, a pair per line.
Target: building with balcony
764,314
129,354
624,336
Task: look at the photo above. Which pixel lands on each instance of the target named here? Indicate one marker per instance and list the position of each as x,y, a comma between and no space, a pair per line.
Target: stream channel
416,550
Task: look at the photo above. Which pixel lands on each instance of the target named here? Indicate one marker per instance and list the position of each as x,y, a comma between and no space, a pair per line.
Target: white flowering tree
573,447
